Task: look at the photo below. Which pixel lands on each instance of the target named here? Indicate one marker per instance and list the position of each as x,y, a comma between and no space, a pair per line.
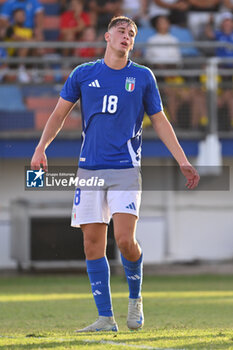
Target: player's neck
114,61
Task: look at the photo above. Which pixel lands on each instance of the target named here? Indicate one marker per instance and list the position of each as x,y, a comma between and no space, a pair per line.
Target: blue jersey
113,103
225,38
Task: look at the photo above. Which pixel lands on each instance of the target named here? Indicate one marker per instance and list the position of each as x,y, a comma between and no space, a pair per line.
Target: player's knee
125,244
91,247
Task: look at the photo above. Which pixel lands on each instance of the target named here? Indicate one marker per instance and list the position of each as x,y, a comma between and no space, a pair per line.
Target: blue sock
133,272
99,275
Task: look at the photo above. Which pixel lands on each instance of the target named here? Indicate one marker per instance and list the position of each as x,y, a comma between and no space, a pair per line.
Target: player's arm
52,127
166,133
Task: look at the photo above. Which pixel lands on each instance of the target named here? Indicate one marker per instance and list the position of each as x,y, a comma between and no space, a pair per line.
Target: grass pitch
180,313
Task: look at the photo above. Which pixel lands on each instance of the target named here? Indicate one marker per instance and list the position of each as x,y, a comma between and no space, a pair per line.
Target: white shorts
121,193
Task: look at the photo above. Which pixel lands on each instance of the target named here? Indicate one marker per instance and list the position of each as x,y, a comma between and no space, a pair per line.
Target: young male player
115,92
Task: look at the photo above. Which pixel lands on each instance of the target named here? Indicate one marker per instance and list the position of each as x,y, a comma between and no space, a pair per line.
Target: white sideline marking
135,346
125,344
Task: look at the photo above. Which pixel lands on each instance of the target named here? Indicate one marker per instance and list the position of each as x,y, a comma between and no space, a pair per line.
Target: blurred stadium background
176,226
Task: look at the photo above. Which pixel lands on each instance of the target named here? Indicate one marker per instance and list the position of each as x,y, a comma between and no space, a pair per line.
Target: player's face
121,37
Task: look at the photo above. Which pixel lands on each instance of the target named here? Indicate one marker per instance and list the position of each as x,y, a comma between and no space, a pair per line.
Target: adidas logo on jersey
131,206
94,84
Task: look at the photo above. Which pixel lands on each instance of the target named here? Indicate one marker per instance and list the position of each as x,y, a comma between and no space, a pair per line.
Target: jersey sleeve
71,89
152,100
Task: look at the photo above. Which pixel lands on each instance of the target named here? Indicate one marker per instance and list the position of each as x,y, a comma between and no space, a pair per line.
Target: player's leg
95,239
124,230
124,198
90,211
131,256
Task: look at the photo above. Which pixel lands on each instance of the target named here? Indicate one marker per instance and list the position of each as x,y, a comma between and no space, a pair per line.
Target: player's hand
191,175
39,160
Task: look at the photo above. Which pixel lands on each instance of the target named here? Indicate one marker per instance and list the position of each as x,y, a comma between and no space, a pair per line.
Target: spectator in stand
18,32
176,10
184,35
224,35
199,14
162,57
163,54
73,23
33,15
89,35
177,94
104,11
178,30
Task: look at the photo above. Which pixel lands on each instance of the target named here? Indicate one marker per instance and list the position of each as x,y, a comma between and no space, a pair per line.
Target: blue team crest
129,84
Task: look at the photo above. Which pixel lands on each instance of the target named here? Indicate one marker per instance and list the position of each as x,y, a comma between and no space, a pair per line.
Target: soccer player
115,92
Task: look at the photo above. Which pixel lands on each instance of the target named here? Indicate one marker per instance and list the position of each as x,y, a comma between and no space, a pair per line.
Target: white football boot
100,325
135,314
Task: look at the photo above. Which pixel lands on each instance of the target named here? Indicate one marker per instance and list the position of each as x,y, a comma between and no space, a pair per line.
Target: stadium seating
14,115
29,106
11,98
16,120
52,20
41,117
42,102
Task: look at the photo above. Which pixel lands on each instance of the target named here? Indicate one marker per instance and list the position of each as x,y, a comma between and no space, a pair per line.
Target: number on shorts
77,196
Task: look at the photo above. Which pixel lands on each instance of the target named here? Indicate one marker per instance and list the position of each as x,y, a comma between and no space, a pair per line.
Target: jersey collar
117,70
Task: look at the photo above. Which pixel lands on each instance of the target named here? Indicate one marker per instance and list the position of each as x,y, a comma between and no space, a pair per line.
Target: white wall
198,224
174,226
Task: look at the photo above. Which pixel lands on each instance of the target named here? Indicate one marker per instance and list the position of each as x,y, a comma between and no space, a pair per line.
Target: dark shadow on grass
44,345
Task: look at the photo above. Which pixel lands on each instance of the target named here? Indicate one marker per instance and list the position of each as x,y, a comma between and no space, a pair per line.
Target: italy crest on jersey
129,84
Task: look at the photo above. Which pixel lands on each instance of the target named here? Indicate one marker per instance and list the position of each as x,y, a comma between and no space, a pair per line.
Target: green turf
180,313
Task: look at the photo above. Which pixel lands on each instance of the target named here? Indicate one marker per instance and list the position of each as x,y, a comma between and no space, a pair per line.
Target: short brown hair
122,19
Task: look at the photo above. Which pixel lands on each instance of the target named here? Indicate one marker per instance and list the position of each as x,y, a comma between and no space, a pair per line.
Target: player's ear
107,36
